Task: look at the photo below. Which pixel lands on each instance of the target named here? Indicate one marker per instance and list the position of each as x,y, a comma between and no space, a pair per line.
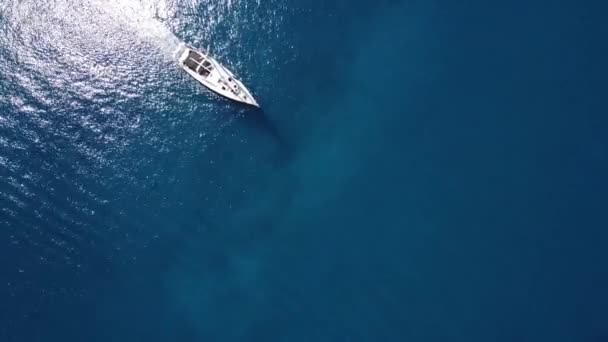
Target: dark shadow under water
257,119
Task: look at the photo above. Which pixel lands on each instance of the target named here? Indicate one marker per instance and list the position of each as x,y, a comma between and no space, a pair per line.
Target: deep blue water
420,171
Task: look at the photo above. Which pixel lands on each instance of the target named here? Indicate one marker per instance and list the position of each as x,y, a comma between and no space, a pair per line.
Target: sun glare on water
145,20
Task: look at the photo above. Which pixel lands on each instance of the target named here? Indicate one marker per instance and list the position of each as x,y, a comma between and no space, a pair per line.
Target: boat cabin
198,63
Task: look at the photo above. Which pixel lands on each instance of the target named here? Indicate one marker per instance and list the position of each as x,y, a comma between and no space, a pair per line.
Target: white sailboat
213,75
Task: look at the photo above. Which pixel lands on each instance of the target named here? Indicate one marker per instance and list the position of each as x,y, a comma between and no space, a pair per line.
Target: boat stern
181,53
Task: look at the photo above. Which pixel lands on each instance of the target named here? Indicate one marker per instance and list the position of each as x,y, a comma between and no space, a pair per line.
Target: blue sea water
420,171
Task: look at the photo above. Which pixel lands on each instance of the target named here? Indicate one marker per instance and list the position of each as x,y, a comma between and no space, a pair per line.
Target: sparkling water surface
419,171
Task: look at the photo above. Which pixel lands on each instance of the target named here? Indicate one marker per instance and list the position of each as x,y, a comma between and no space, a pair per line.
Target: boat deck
198,64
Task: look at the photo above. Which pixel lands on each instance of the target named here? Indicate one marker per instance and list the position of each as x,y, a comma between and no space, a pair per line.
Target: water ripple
90,101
